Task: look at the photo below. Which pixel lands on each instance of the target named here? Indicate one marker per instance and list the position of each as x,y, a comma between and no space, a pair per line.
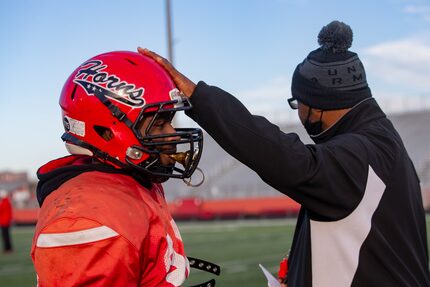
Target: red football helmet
104,102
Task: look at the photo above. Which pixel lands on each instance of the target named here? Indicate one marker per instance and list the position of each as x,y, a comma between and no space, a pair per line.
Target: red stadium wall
193,208
197,209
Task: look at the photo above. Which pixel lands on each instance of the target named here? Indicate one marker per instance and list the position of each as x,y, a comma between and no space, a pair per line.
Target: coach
362,220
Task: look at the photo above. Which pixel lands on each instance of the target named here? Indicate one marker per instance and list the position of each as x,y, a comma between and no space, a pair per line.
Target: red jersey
106,229
5,212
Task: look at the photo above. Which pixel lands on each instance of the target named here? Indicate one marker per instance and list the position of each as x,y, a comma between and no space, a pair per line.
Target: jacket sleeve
84,253
316,176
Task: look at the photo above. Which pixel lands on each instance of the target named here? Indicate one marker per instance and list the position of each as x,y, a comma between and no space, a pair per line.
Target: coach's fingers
160,60
182,82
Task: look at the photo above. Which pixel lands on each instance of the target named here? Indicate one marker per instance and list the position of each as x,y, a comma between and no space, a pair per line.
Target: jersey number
176,275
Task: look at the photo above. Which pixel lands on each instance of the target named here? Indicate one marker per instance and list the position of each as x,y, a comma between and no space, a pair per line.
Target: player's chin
164,173
160,179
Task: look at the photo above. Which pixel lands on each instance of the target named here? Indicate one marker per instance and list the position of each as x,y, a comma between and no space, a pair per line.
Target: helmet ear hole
104,132
72,96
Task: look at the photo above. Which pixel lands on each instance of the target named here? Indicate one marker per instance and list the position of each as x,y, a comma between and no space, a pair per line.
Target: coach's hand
185,85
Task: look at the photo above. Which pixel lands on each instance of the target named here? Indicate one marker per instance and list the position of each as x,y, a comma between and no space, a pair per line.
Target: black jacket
362,221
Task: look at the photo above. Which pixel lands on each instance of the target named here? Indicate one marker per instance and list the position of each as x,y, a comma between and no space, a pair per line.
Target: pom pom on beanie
331,77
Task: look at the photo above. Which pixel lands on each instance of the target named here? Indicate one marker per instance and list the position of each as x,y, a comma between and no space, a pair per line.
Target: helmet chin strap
68,138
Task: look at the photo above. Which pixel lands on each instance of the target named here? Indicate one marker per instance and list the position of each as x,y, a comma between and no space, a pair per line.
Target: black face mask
314,128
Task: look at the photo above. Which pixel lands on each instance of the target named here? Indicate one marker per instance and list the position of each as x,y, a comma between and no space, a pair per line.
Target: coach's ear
185,85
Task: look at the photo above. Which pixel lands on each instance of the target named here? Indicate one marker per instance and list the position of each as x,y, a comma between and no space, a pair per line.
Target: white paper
271,280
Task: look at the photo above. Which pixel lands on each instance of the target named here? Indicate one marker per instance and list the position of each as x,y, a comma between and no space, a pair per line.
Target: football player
103,219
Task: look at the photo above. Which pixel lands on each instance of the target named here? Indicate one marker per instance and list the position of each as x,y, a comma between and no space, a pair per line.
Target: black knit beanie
331,77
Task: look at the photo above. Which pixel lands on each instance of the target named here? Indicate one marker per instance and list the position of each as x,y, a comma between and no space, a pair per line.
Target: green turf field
237,246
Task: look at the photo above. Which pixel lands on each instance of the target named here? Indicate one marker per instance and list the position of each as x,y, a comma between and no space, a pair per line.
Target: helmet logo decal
95,81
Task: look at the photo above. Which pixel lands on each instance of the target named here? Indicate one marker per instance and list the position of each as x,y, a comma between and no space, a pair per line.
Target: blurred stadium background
233,219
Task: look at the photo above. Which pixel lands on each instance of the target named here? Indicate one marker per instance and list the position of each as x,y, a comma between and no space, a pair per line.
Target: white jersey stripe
336,245
76,237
